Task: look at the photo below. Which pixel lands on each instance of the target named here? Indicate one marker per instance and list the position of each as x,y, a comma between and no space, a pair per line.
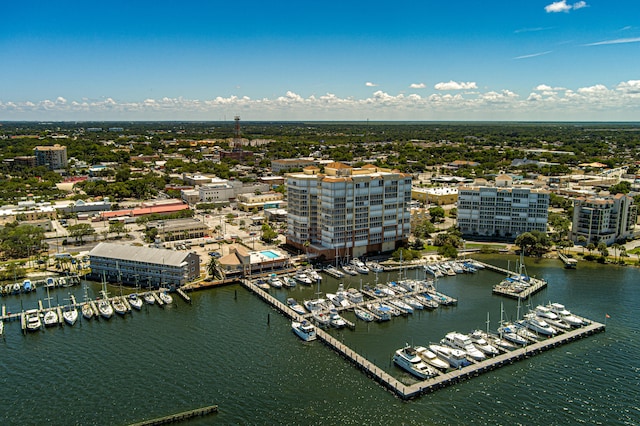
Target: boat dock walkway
442,379
569,262
537,284
185,415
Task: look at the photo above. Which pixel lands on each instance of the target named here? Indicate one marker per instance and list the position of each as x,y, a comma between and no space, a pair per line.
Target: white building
606,219
503,212
348,211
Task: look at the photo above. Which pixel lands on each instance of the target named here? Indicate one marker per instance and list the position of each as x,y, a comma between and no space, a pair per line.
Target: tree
615,247
268,234
581,240
591,247
436,213
20,241
423,228
117,228
448,251
526,241
80,231
214,270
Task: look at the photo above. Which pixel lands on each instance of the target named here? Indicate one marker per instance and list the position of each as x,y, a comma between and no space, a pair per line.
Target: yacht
302,278
354,296
431,358
413,302
260,283
383,312
70,315
455,357
478,339
32,319
384,290
315,305
118,306
1,328
537,324
340,301
321,318
305,330
396,288
50,318
463,342
363,314
275,282
148,298
335,319
349,269
135,301
374,266
105,309
27,286
289,282
545,312
427,301
359,266
295,306
331,270
404,307
313,275
87,311
166,298
408,359
565,315
509,333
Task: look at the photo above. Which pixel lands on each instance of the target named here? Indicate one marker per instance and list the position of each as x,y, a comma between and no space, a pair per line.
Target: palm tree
581,240
214,270
615,247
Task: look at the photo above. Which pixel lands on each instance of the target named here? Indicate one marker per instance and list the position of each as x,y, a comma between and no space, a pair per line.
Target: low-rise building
248,202
179,229
439,195
286,164
144,266
242,261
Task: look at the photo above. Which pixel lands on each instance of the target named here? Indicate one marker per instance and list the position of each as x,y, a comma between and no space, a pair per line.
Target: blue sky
321,60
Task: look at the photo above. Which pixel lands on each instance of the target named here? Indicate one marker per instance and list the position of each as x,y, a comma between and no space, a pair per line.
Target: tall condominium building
348,211
503,212
54,157
606,219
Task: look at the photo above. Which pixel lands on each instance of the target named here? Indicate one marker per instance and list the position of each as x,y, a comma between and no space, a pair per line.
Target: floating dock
536,284
442,379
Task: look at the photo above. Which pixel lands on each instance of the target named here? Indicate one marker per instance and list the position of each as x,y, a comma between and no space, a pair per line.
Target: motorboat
478,339
354,296
408,359
322,318
463,342
385,290
260,283
275,282
382,312
87,311
374,266
339,300
557,324
410,285
335,320
166,298
404,307
118,306
50,318
349,269
305,330
565,315
50,282
509,333
289,282
314,305
32,320
545,313
457,268
433,270
148,298
455,357
27,286
343,296
135,301
522,330
537,324
363,314
427,301
16,288
313,275
431,358
1,328
295,306
359,266
396,288
413,302
105,309
70,315
302,278
334,272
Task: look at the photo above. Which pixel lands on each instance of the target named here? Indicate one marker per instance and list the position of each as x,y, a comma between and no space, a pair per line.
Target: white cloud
562,6
616,41
370,84
417,85
630,87
454,85
533,55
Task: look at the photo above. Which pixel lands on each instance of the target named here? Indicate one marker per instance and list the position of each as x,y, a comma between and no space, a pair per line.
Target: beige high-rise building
607,219
53,157
347,211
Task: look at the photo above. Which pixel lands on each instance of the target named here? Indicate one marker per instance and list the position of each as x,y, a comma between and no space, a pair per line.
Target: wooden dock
569,262
442,379
537,284
185,415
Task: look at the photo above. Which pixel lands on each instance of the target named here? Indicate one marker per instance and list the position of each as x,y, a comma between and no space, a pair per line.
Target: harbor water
229,348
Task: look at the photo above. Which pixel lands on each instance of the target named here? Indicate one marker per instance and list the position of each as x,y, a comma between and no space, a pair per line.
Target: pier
185,415
569,262
511,291
442,379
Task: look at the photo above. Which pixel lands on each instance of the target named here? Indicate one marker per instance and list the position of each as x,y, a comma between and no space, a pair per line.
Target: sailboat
104,307
70,313
50,316
87,310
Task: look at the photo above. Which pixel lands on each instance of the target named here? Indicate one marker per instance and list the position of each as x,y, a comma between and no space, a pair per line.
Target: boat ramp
442,379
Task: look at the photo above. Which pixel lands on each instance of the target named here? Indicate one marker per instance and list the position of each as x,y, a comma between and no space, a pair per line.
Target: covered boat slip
442,379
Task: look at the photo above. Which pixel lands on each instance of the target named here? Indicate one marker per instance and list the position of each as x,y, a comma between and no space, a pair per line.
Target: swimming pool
270,254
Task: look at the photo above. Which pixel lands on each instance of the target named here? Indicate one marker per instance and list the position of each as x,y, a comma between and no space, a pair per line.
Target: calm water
229,348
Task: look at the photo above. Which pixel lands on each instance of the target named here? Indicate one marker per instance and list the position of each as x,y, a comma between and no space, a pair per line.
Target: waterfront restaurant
241,261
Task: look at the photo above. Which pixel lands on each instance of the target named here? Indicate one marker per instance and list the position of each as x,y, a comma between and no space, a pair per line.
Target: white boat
50,282
349,269
289,282
385,290
295,306
404,307
558,324
339,299
275,282
148,298
87,311
32,320
363,314
315,305
135,301
431,358
545,312
260,283
305,330
509,333
374,266
354,296
313,275
331,270
321,318
455,357
396,288
537,324
118,306
50,318
383,312
359,266
428,301
408,359
70,315
1,328
413,302
105,309
27,286
166,298
302,278
335,320
463,342
15,289
565,315
478,339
